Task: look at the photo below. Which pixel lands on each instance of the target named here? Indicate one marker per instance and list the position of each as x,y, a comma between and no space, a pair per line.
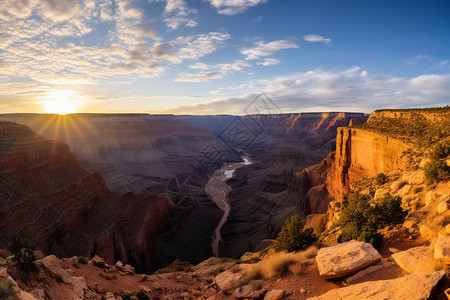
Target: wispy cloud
262,49
348,90
232,7
178,13
314,38
214,72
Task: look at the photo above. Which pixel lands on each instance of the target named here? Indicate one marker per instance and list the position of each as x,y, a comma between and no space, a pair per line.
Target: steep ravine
217,189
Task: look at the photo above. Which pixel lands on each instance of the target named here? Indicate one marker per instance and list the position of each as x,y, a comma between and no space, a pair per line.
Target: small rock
99,262
442,249
442,207
274,295
302,290
227,280
242,292
144,278
118,265
432,196
128,269
210,292
411,230
110,296
393,250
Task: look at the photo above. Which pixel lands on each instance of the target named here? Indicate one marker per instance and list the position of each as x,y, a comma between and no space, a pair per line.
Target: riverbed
217,189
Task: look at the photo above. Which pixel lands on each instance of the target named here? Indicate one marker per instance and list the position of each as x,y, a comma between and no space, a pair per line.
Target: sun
62,102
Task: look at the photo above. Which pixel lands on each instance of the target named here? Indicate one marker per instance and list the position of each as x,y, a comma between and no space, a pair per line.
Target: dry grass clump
271,266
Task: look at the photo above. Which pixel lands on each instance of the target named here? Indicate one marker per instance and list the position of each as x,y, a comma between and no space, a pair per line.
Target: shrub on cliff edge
22,252
293,236
359,220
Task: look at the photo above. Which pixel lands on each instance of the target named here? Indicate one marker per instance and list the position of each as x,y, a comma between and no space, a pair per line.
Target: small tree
22,252
293,236
381,179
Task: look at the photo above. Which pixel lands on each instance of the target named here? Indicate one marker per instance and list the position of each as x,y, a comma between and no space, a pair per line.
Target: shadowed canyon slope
48,198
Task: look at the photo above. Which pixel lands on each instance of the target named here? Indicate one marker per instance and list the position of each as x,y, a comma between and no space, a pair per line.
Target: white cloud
314,38
232,7
60,10
199,65
194,47
178,13
269,62
346,90
214,72
267,49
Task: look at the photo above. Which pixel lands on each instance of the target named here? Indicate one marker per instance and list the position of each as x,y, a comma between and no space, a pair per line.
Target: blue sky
216,56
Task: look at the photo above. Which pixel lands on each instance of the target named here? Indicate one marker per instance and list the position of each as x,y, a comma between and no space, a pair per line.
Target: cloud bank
348,90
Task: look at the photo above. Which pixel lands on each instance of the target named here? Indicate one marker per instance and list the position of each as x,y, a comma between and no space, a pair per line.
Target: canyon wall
47,197
362,154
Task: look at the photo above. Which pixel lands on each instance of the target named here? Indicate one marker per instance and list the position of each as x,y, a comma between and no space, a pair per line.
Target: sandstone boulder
415,260
405,190
442,207
412,287
416,177
227,280
381,193
432,196
51,263
128,269
442,249
346,258
97,261
274,295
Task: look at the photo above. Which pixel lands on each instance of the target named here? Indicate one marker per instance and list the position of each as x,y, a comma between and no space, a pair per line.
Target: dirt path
217,189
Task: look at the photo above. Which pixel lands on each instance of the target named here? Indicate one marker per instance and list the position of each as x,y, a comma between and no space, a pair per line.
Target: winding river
217,189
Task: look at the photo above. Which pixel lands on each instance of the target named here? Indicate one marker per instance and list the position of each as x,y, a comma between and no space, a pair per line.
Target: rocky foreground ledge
343,271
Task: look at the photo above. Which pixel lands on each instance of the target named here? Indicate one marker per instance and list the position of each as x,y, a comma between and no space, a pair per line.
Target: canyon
137,188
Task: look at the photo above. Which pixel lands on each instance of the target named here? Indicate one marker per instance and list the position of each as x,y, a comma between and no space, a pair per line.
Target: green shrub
7,290
441,150
389,211
359,220
82,260
381,179
22,252
293,236
435,171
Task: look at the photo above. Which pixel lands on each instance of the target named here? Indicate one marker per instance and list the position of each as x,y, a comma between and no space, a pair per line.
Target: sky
220,56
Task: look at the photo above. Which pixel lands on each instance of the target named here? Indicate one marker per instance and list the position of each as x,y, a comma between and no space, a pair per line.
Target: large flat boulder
416,260
413,287
346,258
